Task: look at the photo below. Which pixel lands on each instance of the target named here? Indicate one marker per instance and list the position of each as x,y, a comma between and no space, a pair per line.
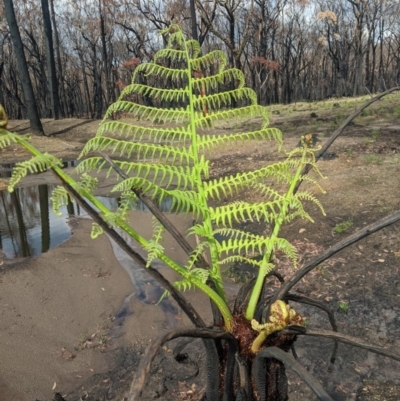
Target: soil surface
61,330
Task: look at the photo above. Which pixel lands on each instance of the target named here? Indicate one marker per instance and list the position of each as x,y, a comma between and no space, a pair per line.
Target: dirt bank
63,297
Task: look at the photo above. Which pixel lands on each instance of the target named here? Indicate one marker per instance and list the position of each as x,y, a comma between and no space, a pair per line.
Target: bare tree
26,83
51,65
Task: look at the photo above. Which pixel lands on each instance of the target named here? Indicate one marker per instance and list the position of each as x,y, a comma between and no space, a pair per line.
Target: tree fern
160,150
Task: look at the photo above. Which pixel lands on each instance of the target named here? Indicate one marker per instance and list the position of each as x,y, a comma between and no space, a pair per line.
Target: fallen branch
343,338
351,239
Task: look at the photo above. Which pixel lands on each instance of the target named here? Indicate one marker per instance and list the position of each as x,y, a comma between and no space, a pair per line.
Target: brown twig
179,298
180,239
155,210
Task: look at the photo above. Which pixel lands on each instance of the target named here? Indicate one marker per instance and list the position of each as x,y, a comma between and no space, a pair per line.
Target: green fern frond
175,35
268,192
141,150
5,138
194,256
233,114
91,164
158,70
209,142
224,99
243,259
194,48
139,133
233,183
148,113
187,201
171,54
163,175
215,57
237,233
128,201
88,183
283,245
212,82
96,231
201,230
314,182
243,245
153,247
59,198
197,274
244,211
305,195
178,94
113,218
140,184
36,164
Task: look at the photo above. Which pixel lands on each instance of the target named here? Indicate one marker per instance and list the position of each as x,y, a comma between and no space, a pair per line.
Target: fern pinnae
283,245
149,69
237,233
233,114
268,192
305,195
209,142
314,182
212,82
37,164
193,48
224,99
141,150
243,211
147,112
153,247
175,54
6,138
195,274
231,259
243,245
59,198
206,60
194,256
134,132
178,94
233,183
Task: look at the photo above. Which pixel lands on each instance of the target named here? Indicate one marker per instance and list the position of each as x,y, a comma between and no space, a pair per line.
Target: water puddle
29,227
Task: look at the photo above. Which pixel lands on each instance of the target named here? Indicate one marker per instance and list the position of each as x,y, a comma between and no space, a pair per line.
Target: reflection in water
28,225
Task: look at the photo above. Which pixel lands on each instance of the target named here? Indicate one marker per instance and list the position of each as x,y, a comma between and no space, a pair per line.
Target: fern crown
170,110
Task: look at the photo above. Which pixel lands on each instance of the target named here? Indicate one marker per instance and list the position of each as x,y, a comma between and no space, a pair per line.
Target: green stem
214,296
264,269
214,265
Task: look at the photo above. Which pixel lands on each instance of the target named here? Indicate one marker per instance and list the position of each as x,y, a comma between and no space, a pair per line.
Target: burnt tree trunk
30,103
50,61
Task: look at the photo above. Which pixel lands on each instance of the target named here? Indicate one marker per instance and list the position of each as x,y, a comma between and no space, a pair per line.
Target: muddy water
29,227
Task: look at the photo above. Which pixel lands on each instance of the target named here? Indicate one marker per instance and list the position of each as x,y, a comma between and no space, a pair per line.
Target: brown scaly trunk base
268,380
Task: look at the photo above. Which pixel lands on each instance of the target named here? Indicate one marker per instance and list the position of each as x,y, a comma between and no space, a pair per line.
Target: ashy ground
54,324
